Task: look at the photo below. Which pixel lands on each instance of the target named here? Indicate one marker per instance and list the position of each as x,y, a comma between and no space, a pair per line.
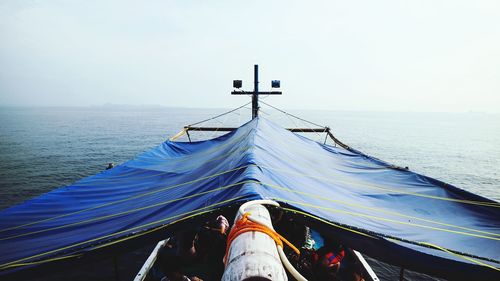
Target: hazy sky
418,55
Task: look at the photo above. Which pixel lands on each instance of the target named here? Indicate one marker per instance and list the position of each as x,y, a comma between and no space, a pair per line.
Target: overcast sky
425,55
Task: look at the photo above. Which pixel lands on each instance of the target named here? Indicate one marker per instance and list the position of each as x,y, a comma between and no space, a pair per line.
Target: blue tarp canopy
392,214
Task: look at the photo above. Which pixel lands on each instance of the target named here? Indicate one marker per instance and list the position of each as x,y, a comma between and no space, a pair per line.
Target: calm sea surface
45,148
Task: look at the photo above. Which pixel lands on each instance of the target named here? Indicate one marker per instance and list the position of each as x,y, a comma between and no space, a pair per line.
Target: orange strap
245,225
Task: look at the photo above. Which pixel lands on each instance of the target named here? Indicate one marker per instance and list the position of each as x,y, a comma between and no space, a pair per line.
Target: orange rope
245,225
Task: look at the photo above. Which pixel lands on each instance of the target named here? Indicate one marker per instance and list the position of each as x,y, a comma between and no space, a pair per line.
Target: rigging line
196,213
222,114
295,124
152,192
116,181
308,128
117,177
104,245
128,211
129,198
323,197
367,233
317,134
214,135
312,123
325,221
461,256
479,203
263,97
197,130
8,264
239,116
337,181
41,261
264,112
204,152
124,231
249,109
389,220
169,224
327,129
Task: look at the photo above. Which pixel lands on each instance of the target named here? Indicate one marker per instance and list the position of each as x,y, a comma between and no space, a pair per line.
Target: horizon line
153,106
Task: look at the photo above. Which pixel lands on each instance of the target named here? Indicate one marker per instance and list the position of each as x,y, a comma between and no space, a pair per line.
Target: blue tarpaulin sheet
390,213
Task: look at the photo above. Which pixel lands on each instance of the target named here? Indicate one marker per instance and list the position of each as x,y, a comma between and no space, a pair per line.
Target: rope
127,199
389,220
294,116
197,155
245,225
222,114
327,129
214,135
460,256
128,211
374,186
139,229
374,209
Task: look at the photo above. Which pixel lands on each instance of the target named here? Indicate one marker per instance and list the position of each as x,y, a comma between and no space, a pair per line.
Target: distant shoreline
162,107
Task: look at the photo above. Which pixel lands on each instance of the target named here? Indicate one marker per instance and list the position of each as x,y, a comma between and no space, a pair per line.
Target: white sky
418,55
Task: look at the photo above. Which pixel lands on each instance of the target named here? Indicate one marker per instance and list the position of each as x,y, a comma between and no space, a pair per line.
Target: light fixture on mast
237,84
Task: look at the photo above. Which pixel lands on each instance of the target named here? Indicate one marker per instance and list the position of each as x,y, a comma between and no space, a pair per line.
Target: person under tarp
321,258
195,254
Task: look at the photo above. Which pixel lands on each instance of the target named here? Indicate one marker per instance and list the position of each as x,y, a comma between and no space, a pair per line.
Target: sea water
45,148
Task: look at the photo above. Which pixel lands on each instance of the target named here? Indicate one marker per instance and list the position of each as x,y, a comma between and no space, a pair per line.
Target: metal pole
255,95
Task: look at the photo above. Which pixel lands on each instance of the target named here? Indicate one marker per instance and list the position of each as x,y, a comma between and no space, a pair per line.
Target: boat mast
255,95
237,84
